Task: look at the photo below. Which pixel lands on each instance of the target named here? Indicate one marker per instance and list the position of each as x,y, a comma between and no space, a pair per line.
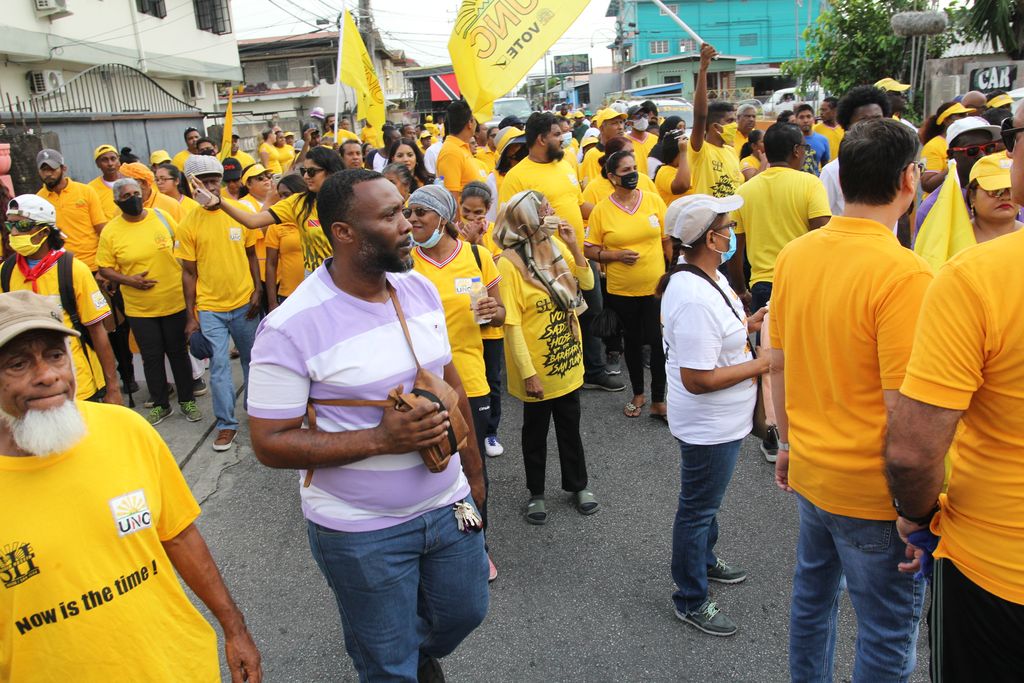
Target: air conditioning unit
195,90
42,82
48,8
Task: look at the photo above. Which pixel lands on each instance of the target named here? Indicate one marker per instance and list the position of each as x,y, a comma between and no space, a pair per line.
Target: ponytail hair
677,251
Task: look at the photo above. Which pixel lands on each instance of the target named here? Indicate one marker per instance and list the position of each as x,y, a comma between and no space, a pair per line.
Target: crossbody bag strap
689,268
401,320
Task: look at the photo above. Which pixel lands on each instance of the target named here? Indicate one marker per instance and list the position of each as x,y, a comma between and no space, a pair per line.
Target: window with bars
688,46
277,71
154,8
747,39
673,8
213,16
324,69
659,47
673,79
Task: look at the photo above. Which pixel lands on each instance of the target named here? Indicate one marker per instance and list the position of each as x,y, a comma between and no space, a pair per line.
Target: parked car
788,98
669,106
510,106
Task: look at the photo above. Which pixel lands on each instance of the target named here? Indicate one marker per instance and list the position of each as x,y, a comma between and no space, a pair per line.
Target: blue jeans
887,603
407,592
705,474
216,328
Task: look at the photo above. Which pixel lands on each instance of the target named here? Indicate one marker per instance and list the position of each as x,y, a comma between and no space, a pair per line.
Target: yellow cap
103,149
606,115
508,135
992,172
426,134
1001,100
253,171
289,134
955,109
159,157
892,85
578,114
430,118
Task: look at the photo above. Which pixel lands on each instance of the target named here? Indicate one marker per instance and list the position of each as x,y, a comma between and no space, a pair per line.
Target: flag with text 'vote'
947,229
357,72
225,138
496,42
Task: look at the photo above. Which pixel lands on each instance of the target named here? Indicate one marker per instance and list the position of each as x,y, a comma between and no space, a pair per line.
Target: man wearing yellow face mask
40,265
714,164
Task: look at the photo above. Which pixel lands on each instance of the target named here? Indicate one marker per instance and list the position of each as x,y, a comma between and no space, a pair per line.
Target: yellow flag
357,73
225,140
496,42
947,229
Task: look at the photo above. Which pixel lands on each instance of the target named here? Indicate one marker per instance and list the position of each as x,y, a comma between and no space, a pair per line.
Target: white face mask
566,139
641,124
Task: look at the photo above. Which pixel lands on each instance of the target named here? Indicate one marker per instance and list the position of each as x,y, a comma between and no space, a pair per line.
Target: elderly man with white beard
99,520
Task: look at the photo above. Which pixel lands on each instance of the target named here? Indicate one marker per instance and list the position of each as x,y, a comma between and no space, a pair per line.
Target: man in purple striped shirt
409,585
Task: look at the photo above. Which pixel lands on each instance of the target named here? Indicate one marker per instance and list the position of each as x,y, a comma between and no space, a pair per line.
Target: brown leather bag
428,388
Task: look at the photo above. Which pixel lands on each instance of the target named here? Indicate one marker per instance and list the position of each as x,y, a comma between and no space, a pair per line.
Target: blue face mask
728,254
436,237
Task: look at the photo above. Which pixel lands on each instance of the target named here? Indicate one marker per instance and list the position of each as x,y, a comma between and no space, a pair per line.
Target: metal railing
109,89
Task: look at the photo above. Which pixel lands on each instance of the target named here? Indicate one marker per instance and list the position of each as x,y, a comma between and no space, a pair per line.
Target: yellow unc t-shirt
453,278
714,170
556,354
638,227
556,180
88,591
315,246
144,247
217,243
92,308
273,164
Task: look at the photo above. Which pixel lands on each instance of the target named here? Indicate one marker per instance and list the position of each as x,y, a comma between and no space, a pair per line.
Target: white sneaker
493,448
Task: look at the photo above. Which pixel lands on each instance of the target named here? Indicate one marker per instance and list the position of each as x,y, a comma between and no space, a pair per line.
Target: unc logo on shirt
235,234
131,513
653,220
572,178
98,300
463,285
17,563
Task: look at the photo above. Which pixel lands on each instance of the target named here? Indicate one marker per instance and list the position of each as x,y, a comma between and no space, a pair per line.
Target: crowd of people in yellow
846,277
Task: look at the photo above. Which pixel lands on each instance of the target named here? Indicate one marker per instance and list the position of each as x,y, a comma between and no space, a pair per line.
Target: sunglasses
419,211
1009,133
23,226
1003,192
309,172
971,151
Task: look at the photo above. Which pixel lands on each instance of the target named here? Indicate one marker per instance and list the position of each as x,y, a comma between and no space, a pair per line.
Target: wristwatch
923,520
784,446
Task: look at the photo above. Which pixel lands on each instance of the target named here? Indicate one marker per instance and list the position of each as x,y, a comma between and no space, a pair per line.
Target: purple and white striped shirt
324,343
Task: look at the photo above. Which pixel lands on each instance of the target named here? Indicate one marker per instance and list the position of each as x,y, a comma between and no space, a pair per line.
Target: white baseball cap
34,208
690,217
200,165
969,123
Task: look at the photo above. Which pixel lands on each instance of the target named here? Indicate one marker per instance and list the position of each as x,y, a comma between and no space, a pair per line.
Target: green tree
1000,22
852,43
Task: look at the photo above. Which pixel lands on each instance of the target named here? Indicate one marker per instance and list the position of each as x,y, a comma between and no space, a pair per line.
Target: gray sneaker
191,411
605,382
158,414
613,363
723,573
709,619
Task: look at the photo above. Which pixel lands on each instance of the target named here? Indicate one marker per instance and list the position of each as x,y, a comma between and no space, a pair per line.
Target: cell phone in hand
199,192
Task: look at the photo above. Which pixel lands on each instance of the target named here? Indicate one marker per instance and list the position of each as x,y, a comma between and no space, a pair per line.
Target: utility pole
366,26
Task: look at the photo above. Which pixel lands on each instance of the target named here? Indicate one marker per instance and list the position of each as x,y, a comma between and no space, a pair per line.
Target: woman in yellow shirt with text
541,281
625,232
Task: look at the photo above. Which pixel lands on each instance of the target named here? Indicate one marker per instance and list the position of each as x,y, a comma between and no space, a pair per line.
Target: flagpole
337,78
672,15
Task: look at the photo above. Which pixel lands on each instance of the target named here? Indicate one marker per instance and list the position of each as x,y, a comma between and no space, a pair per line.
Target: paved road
582,598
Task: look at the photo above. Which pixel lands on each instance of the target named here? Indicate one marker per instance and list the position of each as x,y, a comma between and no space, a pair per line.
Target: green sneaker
191,411
158,414
709,619
723,573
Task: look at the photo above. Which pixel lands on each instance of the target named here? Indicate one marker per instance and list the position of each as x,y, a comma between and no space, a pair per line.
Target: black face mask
132,206
208,153
630,180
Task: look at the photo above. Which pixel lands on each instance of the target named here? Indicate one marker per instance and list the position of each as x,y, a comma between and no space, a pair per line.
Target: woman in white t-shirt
712,389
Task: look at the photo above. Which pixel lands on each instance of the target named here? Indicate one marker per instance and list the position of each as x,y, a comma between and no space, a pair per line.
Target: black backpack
66,286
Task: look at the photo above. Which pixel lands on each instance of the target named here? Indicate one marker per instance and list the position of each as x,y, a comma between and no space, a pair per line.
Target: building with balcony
131,74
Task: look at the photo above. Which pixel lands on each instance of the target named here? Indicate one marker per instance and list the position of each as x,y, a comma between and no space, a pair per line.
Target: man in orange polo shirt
965,370
109,163
844,305
455,163
80,213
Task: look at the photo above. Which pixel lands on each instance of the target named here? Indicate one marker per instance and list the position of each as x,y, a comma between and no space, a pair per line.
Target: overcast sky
421,28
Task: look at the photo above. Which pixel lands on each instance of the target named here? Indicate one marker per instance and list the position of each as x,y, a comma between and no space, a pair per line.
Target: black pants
480,408
159,337
494,359
975,636
640,317
760,293
536,420
612,344
593,347
119,341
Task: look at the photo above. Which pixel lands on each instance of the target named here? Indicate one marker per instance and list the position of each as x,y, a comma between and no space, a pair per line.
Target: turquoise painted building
766,31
